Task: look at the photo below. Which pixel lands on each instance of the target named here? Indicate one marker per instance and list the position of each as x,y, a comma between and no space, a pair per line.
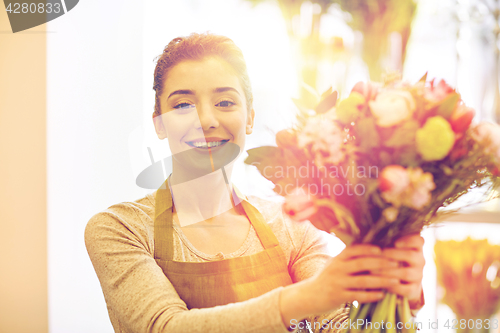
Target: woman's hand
349,276
408,253
346,277
361,273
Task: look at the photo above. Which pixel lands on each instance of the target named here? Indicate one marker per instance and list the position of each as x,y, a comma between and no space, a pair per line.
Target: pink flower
309,133
419,199
422,184
299,205
394,179
369,90
409,187
393,182
436,93
488,134
461,118
325,136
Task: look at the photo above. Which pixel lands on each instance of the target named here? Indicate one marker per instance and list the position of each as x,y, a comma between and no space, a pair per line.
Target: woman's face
203,110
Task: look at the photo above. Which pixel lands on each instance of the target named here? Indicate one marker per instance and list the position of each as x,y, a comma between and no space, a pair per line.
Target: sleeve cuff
294,327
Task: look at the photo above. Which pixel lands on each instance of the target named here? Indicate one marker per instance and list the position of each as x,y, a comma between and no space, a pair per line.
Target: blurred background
76,102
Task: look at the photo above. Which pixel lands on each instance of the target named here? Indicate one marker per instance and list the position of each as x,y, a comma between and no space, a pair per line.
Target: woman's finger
411,257
406,274
414,241
368,282
410,291
359,250
368,264
364,296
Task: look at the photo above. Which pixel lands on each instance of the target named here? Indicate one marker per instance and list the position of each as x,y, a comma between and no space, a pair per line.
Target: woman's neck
202,198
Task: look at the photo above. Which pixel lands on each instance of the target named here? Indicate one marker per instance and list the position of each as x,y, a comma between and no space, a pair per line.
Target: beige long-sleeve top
139,296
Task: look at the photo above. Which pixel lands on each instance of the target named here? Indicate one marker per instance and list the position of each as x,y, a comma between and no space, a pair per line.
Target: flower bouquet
469,272
379,164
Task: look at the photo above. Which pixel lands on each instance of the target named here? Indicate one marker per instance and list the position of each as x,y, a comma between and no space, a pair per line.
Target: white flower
392,107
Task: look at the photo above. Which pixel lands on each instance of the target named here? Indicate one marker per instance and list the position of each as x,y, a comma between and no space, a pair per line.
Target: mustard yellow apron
208,284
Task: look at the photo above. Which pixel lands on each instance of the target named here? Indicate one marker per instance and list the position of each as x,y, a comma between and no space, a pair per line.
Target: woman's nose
208,117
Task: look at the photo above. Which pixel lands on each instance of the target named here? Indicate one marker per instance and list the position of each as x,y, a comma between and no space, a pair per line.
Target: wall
94,100
23,212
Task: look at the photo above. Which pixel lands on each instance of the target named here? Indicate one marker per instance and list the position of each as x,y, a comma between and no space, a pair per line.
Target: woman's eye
183,106
225,104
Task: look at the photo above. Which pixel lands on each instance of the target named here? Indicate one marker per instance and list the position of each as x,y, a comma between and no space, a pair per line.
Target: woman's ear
250,118
159,127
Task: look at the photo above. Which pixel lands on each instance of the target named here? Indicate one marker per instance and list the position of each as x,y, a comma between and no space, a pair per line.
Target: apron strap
163,230
163,223
262,229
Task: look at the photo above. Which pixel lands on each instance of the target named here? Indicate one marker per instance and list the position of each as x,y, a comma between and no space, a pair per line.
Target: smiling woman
197,255
212,112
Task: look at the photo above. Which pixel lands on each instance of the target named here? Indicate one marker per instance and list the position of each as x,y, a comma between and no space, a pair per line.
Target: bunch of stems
389,315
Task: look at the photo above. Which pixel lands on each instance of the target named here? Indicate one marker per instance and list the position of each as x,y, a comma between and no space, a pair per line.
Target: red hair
197,47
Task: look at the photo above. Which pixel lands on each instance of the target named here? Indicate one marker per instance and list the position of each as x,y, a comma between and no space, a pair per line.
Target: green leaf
261,154
367,134
377,199
323,220
408,156
371,186
301,121
403,135
350,108
423,78
342,214
385,158
309,96
344,236
326,104
447,170
445,109
269,161
302,108
293,156
326,92
311,90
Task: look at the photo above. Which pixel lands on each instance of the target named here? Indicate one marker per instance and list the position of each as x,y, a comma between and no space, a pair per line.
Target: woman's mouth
206,145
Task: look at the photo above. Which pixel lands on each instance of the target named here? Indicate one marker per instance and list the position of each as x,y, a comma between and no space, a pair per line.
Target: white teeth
207,145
